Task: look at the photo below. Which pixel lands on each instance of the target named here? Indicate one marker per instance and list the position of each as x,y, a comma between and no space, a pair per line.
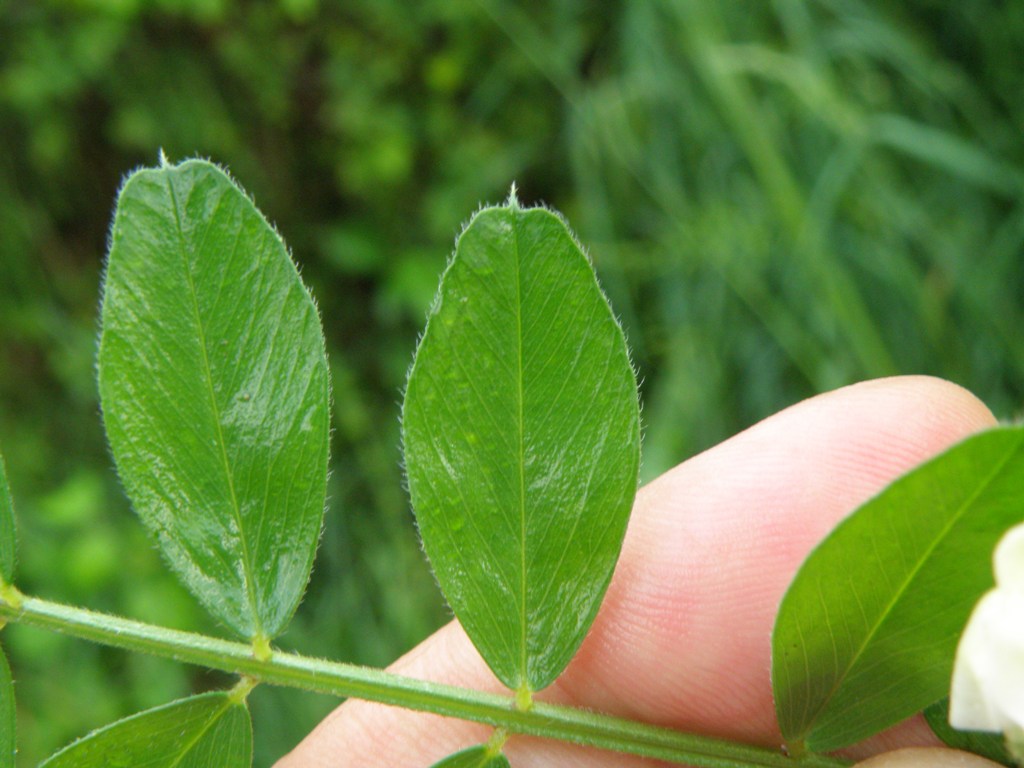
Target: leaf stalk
349,680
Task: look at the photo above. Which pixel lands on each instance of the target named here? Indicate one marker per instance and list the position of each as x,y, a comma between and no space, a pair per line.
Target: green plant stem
349,680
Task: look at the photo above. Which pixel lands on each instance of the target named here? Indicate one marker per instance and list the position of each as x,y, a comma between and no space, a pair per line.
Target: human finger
683,636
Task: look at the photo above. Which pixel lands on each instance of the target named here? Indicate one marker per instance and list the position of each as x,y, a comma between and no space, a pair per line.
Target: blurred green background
780,197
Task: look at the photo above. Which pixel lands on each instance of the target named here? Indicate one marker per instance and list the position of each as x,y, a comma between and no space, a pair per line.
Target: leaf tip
513,198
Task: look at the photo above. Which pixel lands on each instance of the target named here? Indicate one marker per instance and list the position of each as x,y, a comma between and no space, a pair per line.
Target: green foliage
207,731
8,741
990,745
674,134
522,441
213,381
214,387
8,534
867,632
474,757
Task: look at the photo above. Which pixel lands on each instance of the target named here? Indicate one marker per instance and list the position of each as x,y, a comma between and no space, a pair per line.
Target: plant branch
350,680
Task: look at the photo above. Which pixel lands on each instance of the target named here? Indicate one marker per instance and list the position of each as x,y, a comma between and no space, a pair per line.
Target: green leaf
867,633
7,711
207,731
990,745
214,386
521,433
8,538
474,757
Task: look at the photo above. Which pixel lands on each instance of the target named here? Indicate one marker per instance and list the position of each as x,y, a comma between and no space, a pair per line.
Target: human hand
683,636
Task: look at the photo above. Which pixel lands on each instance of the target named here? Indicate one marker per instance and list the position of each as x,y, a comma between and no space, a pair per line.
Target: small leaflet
211,730
474,757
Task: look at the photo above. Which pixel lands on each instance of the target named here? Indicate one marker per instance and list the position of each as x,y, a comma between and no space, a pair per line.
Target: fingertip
954,403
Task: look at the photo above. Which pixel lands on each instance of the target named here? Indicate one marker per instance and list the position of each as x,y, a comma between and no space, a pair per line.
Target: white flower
988,676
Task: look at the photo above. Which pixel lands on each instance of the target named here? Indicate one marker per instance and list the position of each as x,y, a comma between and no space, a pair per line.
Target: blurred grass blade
990,745
474,757
207,731
214,387
8,534
8,742
947,151
867,632
521,431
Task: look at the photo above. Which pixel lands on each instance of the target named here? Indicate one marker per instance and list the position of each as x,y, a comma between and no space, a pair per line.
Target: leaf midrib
210,722
208,378
522,451
911,576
